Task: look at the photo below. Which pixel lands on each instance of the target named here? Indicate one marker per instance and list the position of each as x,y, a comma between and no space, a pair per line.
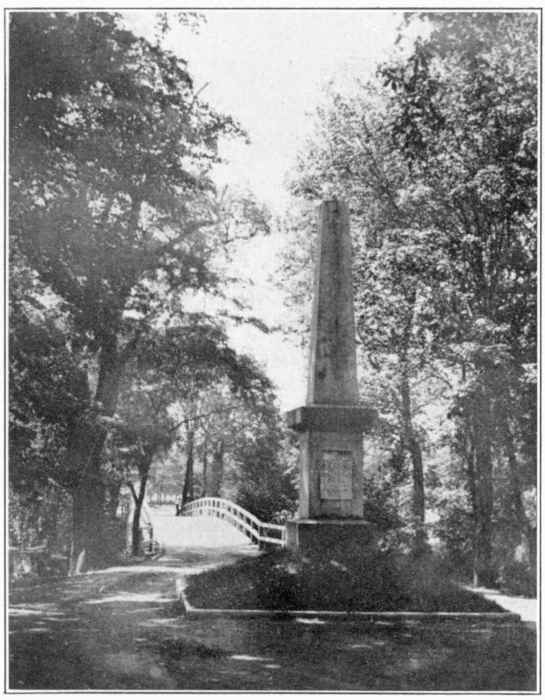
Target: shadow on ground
123,628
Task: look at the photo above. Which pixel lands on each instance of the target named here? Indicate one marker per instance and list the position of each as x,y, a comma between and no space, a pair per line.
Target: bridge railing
257,531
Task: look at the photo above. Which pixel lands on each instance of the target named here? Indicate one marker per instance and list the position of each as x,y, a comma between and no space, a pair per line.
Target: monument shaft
333,375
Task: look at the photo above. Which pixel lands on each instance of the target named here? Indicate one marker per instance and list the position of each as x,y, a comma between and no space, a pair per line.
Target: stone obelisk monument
332,423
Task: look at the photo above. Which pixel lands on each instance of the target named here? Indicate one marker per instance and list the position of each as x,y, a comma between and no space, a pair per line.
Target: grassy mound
379,582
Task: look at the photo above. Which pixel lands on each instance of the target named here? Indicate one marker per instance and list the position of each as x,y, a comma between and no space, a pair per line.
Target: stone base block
328,538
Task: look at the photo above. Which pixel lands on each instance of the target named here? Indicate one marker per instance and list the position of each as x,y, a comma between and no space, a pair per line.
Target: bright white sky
269,69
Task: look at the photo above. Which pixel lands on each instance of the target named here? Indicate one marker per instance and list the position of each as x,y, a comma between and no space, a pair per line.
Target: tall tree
110,152
464,114
438,163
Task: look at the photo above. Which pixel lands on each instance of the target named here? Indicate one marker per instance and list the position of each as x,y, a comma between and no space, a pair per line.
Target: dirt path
123,628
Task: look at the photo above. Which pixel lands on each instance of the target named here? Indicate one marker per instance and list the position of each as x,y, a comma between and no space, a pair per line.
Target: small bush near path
379,582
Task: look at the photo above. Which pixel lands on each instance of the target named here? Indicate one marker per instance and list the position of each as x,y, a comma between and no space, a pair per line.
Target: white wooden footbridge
257,531
217,520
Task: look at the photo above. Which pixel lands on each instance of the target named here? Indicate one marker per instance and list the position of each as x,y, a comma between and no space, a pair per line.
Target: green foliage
109,217
171,369
437,160
113,217
243,447
380,504
198,415
265,469
48,391
454,529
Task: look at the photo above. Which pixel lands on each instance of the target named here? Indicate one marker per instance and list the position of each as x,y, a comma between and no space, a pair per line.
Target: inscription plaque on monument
336,475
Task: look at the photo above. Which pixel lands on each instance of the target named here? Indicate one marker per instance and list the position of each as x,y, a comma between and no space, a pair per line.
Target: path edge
371,616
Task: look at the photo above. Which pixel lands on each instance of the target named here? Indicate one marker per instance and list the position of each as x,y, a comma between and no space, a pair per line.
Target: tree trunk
204,468
419,504
84,457
415,451
531,534
87,540
484,574
217,469
527,528
143,472
136,532
469,454
113,499
187,494
516,488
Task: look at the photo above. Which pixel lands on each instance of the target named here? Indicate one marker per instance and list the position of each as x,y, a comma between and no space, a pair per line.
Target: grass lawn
285,581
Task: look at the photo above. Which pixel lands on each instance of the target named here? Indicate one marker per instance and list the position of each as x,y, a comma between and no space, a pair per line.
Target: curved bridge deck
176,533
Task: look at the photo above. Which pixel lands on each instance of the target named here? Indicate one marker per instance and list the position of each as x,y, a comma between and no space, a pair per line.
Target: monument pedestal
330,459
339,539
330,523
